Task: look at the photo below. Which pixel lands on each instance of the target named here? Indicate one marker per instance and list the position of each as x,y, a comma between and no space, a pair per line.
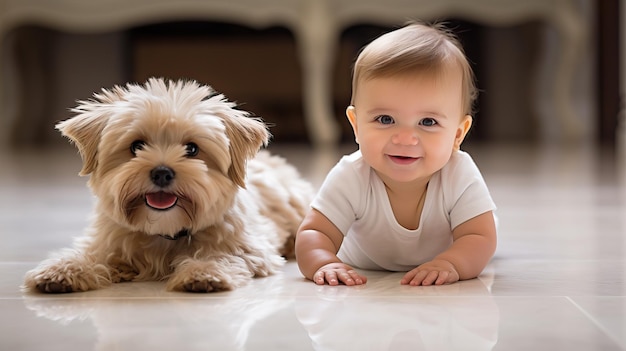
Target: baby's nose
406,136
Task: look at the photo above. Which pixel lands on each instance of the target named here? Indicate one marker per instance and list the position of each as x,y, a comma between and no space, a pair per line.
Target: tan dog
182,193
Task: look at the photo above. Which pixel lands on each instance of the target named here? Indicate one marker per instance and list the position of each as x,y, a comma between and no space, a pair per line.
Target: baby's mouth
402,159
161,200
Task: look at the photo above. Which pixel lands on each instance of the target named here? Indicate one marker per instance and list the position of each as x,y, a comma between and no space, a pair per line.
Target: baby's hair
416,47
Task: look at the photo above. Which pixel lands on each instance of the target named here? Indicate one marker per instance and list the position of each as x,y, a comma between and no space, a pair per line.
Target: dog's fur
168,159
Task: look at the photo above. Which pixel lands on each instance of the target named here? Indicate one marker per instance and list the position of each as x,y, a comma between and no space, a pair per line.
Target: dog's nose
162,176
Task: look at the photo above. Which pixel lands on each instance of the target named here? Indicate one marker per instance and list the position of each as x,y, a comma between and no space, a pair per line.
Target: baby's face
407,127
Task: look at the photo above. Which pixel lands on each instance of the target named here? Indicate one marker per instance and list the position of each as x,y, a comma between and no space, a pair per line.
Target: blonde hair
416,47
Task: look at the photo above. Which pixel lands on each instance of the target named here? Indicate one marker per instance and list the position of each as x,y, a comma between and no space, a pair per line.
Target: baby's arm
317,243
474,245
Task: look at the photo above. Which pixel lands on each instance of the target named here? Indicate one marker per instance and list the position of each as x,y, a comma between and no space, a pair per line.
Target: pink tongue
161,200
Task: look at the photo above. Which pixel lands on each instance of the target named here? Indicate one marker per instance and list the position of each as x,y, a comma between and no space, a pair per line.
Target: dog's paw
204,282
65,276
204,286
54,287
209,276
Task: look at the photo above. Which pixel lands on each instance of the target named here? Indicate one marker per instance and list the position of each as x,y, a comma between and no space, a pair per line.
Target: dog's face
166,157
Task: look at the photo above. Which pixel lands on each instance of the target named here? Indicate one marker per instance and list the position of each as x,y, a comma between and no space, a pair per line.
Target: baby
409,199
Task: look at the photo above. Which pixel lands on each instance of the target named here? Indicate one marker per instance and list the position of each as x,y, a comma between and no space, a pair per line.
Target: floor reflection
455,317
164,321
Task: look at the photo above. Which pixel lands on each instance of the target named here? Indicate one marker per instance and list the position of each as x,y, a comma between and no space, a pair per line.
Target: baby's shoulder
460,163
350,172
354,165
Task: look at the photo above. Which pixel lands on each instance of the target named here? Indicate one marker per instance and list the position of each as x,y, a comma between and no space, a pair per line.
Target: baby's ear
462,130
351,114
246,135
85,130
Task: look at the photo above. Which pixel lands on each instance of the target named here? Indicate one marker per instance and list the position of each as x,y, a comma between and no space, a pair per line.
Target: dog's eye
136,146
192,149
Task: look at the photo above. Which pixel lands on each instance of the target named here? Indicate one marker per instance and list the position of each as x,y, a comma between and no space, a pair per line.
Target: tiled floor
557,281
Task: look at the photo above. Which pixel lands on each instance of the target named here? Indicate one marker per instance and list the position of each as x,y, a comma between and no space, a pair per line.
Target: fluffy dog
183,193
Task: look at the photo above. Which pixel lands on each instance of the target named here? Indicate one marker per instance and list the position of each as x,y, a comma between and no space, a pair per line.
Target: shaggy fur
184,194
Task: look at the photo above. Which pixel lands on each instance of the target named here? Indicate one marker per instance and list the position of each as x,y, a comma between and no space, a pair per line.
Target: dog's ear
85,131
246,135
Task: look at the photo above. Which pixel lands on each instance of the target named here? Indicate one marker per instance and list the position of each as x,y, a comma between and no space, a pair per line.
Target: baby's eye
428,122
385,119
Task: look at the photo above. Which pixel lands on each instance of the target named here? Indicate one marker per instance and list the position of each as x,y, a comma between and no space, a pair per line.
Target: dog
183,192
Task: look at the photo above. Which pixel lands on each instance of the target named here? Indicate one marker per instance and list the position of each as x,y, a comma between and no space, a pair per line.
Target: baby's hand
335,273
436,272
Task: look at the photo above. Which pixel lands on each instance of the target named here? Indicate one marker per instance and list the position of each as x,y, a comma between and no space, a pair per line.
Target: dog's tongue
161,200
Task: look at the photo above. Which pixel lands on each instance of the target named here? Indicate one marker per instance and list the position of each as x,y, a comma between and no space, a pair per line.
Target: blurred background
548,70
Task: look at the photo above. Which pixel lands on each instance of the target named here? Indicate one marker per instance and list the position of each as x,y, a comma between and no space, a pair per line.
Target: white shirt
354,199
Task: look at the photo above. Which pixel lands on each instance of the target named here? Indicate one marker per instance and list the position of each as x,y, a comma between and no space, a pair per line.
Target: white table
317,25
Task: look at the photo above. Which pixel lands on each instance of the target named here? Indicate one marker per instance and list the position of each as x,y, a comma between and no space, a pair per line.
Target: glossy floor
557,281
